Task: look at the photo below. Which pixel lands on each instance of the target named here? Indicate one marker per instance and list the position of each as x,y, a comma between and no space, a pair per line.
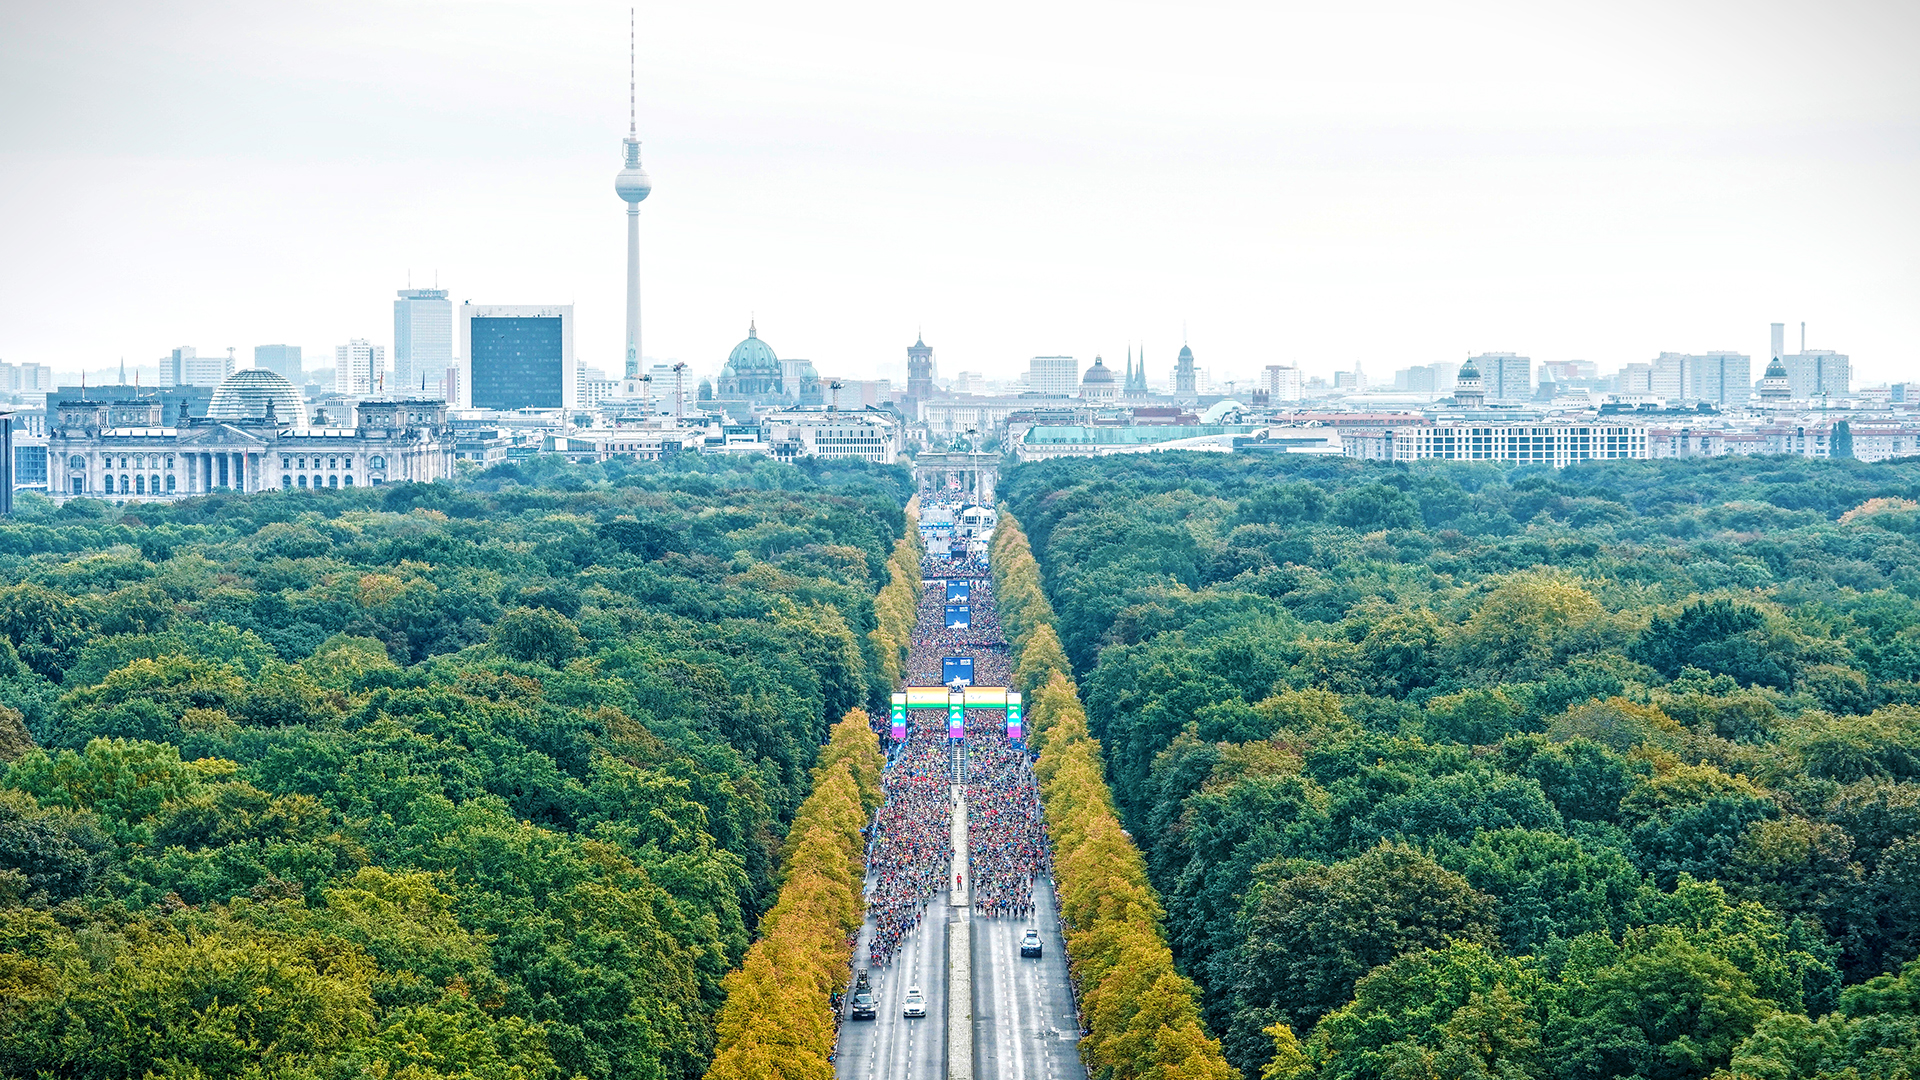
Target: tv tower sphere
633,184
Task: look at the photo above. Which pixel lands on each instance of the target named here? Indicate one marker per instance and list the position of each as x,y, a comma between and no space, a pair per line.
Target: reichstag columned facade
255,437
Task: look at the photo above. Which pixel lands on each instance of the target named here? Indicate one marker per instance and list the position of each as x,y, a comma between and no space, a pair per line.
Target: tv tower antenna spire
633,185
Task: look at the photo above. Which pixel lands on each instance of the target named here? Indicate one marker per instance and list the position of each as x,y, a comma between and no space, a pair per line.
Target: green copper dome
751,357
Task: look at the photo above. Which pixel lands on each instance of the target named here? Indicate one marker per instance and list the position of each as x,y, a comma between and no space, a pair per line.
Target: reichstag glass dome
244,395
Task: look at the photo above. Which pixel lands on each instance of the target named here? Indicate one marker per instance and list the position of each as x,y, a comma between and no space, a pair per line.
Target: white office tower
1284,383
358,367
633,185
185,367
1054,375
1505,376
422,341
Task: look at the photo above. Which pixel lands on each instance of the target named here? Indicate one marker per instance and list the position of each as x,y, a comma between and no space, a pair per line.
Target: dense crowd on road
910,856
912,847
1006,841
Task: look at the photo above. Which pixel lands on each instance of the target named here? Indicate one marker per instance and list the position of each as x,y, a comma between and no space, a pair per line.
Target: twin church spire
1136,374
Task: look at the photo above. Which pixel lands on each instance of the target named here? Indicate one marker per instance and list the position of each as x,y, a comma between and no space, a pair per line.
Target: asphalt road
1023,1020
891,1046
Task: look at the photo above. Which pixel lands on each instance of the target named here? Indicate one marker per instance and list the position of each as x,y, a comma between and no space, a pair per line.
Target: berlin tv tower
632,185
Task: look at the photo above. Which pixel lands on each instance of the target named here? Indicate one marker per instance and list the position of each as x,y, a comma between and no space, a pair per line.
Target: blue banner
956,668
959,616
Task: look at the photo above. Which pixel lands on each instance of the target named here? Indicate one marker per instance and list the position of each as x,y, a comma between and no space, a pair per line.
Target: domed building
259,395
1098,384
754,373
751,370
1468,392
1773,388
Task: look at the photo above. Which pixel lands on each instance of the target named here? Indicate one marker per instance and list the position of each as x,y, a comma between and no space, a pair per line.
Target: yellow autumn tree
1142,1015
777,1022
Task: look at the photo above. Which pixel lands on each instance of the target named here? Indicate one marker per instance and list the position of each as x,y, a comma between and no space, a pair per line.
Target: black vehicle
1030,943
862,1005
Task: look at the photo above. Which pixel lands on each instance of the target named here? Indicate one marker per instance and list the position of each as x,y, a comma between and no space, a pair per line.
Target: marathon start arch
957,702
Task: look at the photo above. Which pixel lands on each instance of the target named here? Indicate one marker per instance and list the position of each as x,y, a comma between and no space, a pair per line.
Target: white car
916,1003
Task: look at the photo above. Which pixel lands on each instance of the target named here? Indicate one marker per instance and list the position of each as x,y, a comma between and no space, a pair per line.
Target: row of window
139,485
152,461
287,482
339,461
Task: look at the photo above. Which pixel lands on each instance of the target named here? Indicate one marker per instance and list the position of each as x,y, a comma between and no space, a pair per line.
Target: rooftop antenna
633,127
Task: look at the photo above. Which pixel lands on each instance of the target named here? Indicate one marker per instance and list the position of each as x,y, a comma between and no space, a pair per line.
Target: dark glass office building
519,362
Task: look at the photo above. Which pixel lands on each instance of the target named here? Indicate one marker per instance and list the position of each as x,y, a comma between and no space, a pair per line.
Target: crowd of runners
1006,840
910,854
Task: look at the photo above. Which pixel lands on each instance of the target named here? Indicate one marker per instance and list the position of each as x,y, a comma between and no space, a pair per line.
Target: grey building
1505,376
422,340
1721,378
282,360
1813,372
130,451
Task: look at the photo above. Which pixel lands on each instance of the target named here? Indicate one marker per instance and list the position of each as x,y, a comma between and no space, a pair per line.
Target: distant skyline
1386,185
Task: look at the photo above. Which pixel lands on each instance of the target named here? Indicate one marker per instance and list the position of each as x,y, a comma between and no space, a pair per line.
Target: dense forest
1475,771
481,779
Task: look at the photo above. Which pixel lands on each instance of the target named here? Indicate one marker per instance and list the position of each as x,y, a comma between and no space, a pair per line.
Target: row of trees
484,778
1478,770
778,1020
894,608
1143,1017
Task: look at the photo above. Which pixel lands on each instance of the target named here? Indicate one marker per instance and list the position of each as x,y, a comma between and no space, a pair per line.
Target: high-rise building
359,367
1057,375
633,185
1636,378
1812,373
1283,382
1720,378
422,340
1183,374
282,360
517,356
1779,341
1505,376
1670,376
186,367
1567,371
34,377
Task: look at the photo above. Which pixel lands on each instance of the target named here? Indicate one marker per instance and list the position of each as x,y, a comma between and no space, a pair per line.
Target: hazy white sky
1381,183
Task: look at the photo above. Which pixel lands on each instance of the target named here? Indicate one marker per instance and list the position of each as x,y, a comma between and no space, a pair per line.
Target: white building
1053,375
186,367
828,433
358,367
1812,373
1720,378
1505,376
1283,382
254,439
1556,444
422,341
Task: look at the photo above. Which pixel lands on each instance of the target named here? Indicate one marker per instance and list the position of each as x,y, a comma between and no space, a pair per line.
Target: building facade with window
1558,445
122,450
